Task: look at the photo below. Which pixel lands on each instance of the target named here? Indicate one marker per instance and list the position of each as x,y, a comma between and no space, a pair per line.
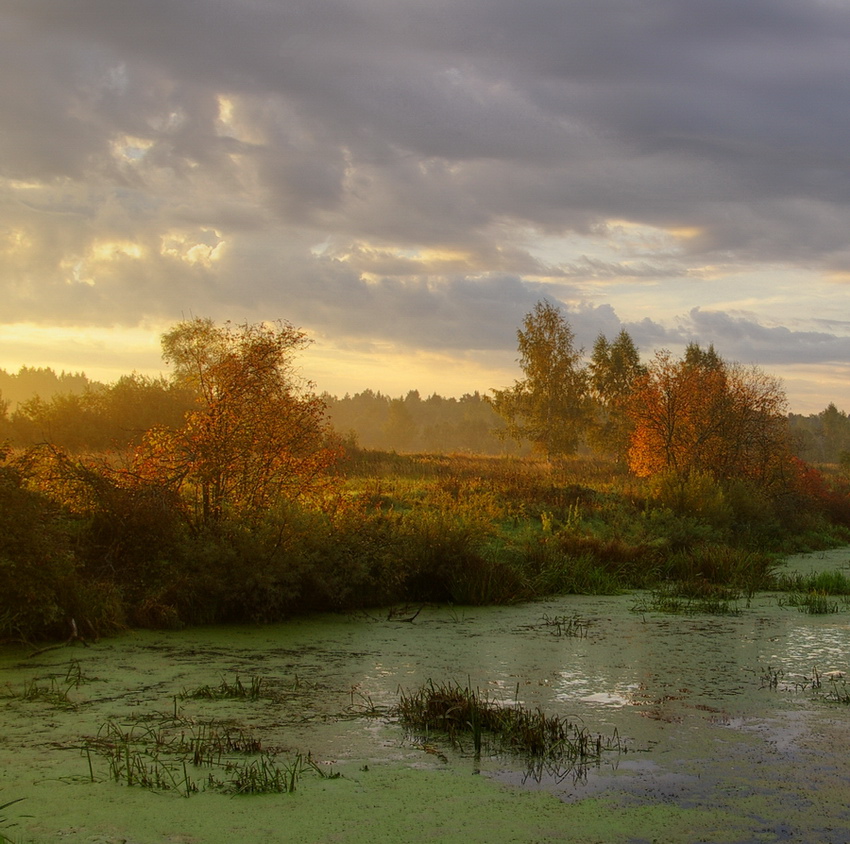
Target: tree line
80,415
694,414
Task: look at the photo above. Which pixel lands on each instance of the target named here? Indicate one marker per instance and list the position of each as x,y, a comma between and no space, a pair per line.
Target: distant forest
78,414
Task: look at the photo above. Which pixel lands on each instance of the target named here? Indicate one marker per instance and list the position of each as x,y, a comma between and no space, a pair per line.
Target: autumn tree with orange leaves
703,414
256,436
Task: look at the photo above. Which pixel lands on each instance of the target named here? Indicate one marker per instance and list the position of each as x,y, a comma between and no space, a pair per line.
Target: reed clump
5,822
236,690
838,693
184,757
571,626
461,713
829,582
689,598
54,690
810,603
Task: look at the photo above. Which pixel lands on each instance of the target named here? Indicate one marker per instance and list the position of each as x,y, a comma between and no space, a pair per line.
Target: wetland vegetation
230,498
570,715
600,621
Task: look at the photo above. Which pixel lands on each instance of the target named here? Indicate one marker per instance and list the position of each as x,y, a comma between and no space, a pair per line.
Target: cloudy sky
404,179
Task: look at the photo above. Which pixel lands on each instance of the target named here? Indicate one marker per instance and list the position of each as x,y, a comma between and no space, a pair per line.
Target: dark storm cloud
402,131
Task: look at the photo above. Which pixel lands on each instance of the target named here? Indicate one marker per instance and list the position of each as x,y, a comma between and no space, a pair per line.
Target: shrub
721,564
697,494
438,550
677,531
37,568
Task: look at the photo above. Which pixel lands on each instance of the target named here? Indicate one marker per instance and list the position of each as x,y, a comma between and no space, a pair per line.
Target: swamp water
725,728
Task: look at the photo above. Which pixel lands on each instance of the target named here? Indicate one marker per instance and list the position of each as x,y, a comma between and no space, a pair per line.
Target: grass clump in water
56,694
825,582
838,693
56,691
571,626
168,759
810,603
459,712
266,775
228,691
691,597
6,823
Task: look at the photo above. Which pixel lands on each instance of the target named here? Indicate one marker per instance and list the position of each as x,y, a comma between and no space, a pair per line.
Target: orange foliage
254,438
713,417
830,497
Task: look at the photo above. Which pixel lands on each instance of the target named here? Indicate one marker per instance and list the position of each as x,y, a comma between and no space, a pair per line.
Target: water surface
722,735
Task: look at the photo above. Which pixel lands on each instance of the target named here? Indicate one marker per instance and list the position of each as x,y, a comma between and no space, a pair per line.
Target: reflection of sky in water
824,646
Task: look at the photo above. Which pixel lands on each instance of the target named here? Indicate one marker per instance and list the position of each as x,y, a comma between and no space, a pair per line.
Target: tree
400,429
701,414
256,434
67,419
614,369
550,405
135,403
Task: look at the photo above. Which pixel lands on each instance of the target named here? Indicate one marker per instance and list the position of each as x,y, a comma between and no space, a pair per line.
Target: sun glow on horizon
106,353
102,353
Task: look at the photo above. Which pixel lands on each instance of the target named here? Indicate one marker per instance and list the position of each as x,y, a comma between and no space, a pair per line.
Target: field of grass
394,529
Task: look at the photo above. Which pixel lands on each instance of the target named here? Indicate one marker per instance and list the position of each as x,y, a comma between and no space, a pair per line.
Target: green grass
184,757
572,626
684,599
418,528
824,582
236,690
6,822
810,603
461,713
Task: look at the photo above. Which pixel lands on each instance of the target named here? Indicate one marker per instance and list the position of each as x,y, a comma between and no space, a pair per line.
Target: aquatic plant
839,693
259,776
167,756
811,603
677,599
74,676
566,625
813,683
147,757
56,691
825,582
266,775
715,563
6,823
236,690
460,712
770,678
55,694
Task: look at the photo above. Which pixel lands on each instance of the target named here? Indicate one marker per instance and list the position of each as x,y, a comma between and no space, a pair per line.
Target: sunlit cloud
416,177
110,251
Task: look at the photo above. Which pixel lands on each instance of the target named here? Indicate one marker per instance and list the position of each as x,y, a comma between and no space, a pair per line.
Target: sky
405,179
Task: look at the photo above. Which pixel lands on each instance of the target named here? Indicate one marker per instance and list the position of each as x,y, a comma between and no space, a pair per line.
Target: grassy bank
395,529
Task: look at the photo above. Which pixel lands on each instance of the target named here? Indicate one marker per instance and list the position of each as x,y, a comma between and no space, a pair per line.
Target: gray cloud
743,338
378,169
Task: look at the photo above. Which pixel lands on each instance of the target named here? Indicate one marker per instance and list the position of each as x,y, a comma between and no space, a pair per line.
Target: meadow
390,530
